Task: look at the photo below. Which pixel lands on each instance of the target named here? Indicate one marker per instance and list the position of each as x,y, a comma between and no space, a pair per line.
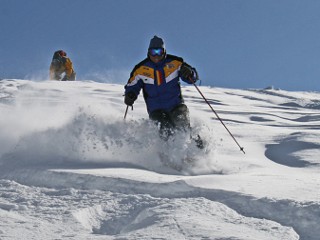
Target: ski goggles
156,52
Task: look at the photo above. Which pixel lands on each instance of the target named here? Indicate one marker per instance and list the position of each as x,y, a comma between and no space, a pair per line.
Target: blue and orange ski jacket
159,82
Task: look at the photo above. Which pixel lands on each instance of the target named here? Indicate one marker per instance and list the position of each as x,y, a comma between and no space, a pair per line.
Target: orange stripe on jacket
159,78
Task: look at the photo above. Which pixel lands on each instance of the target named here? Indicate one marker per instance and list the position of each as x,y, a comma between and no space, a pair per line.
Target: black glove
186,71
129,98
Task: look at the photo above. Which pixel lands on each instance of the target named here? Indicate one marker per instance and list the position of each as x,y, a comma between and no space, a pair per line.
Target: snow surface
71,167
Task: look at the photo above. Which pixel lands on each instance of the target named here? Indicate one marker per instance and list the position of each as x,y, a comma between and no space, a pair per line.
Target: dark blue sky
232,43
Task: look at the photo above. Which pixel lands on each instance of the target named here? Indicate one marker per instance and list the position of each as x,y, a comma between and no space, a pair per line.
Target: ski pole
125,114
194,84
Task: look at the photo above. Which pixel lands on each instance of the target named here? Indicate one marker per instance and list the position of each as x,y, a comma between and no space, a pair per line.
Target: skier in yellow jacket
60,65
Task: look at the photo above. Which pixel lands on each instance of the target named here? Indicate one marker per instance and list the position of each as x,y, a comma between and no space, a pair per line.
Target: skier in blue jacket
158,76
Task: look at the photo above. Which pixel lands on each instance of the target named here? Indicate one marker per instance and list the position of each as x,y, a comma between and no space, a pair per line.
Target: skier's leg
73,76
181,120
180,117
56,76
166,125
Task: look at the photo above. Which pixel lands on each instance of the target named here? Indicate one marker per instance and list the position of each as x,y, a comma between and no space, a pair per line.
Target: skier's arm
52,72
134,84
69,69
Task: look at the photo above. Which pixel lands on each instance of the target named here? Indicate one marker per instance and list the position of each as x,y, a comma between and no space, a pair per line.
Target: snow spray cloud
119,76
59,124
38,75
94,141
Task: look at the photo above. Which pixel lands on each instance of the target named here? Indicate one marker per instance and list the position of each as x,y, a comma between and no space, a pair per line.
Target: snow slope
72,168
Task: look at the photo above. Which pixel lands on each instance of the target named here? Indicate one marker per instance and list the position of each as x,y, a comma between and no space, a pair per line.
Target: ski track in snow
72,168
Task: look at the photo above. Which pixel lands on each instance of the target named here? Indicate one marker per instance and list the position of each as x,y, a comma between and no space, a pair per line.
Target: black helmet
156,42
